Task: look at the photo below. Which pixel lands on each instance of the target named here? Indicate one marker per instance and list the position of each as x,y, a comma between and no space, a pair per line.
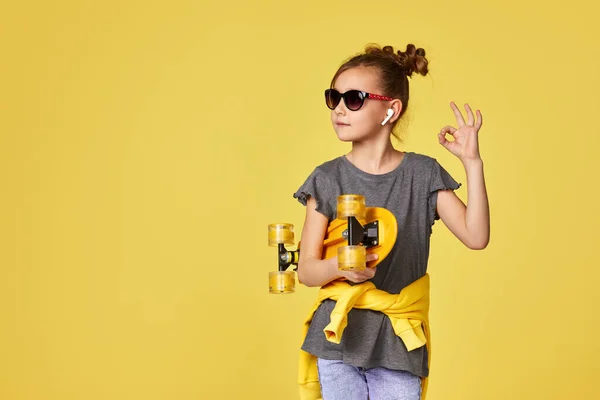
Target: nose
340,109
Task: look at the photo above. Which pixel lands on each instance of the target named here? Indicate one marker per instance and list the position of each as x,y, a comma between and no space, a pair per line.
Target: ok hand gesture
465,145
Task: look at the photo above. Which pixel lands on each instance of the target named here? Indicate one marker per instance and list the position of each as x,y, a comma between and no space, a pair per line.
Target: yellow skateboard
358,230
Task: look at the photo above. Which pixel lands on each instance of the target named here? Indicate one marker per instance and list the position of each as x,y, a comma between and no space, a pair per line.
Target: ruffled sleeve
319,186
440,180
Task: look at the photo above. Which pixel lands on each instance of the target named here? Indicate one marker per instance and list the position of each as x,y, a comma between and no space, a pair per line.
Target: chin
345,137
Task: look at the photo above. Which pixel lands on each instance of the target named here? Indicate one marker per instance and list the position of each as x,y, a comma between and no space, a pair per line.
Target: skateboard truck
283,281
287,257
356,233
353,257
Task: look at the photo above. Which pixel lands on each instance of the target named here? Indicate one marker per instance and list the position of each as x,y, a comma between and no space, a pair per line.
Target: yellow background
145,146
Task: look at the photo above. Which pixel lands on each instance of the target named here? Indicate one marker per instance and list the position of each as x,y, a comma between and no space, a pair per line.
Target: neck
375,157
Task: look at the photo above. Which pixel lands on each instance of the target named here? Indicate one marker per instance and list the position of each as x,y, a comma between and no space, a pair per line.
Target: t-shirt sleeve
440,180
319,186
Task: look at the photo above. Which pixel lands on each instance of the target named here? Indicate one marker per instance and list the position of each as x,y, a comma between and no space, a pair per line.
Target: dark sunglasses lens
332,98
354,99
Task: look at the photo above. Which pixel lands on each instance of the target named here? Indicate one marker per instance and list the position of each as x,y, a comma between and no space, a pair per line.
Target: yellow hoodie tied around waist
408,312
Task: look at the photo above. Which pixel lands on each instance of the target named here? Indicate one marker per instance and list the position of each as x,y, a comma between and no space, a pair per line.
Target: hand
360,276
466,142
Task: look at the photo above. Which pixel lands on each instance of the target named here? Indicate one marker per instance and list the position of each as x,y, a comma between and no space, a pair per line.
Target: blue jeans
341,381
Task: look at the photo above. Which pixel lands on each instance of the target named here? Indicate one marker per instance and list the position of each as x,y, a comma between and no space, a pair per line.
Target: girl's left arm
469,223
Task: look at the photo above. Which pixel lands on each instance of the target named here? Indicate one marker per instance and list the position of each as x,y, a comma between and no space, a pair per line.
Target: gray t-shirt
410,193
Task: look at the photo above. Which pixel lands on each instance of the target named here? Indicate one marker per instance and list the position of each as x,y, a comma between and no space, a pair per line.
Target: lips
338,123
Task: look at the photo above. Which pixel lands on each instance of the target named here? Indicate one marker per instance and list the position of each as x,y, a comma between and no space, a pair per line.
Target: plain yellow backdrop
145,146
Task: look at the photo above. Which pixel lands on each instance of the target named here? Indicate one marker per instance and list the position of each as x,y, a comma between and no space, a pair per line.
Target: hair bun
413,60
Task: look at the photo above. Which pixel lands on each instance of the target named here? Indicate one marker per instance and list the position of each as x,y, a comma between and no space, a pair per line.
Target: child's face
364,123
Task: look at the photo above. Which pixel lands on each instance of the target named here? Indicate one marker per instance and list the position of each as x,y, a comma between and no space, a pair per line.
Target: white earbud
390,113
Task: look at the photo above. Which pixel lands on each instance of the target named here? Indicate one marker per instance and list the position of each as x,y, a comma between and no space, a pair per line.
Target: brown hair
394,69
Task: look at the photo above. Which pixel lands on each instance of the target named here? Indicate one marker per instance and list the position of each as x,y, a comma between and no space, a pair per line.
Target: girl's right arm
312,271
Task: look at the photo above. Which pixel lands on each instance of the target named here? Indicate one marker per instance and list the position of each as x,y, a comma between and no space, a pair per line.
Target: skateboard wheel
352,258
281,233
281,282
351,205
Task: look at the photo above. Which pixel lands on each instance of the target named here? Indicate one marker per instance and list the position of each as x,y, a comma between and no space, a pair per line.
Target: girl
374,359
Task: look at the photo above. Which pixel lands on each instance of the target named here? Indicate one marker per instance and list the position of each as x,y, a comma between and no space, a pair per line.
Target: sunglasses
354,99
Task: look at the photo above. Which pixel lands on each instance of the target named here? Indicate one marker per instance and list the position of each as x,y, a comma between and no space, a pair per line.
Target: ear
395,105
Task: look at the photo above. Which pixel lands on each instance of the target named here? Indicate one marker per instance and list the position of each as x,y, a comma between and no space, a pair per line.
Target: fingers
372,257
361,276
442,135
447,129
472,120
470,117
479,121
365,274
368,273
457,114
443,141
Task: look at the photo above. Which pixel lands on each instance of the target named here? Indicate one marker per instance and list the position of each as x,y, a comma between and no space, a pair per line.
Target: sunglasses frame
362,94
